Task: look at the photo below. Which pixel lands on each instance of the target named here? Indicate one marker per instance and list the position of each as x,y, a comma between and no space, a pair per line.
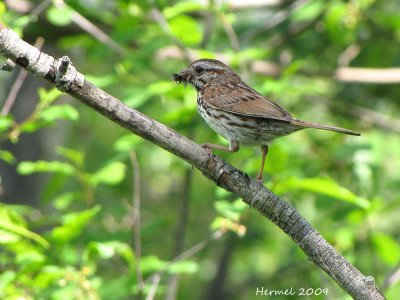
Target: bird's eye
199,69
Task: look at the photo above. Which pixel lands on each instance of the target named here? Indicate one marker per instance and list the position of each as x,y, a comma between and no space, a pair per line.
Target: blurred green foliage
77,241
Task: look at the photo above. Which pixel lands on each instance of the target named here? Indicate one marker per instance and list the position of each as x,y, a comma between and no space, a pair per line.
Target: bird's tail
307,124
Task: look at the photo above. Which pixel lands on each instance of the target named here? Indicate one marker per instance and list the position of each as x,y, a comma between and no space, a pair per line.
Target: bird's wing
240,99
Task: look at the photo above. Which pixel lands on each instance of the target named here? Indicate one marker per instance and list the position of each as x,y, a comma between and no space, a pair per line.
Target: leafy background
75,186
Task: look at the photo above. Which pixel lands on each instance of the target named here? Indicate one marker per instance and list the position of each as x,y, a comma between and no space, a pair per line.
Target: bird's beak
181,77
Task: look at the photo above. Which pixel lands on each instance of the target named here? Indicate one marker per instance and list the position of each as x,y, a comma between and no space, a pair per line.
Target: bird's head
203,71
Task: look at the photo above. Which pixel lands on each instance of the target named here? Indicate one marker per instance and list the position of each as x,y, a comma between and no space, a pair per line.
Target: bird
238,112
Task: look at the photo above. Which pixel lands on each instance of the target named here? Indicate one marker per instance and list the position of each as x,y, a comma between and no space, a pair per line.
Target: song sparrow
237,112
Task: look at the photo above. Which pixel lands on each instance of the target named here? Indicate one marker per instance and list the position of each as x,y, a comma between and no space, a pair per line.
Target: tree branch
63,75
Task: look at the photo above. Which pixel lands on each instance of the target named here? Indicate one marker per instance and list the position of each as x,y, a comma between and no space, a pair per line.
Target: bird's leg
264,150
233,147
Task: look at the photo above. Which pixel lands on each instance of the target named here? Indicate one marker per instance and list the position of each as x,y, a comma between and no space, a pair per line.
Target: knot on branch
7,66
66,74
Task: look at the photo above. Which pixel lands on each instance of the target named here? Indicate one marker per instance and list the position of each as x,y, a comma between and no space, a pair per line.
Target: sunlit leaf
8,276
230,210
308,12
30,257
48,96
111,174
55,112
186,29
8,237
101,81
181,8
64,200
127,143
136,96
326,187
73,224
7,156
73,155
50,275
340,22
181,267
152,264
12,228
40,166
161,87
59,16
107,250
5,123
387,248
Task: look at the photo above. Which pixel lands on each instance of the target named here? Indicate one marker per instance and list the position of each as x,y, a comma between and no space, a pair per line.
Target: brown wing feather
235,98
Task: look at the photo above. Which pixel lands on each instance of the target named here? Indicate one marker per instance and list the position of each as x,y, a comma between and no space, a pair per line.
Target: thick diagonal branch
213,167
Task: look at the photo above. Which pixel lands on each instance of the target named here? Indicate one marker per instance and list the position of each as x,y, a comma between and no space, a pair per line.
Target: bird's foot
207,147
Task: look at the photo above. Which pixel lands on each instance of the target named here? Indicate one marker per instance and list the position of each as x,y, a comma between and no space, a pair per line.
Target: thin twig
190,252
208,24
33,15
276,19
93,30
153,288
158,16
294,29
180,231
366,115
12,95
393,278
230,32
136,219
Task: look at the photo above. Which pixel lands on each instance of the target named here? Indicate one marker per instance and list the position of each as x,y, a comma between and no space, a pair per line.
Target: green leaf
41,166
136,96
29,257
161,87
340,23
74,156
230,210
7,156
47,116
55,112
2,9
59,16
127,143
111,174
180,267
46,97
12,228
73,224
7,277
387,248
107,250
50,275
7,237
63,201
5,123
101,81
187,30
152,263
308,12
326,187
182,8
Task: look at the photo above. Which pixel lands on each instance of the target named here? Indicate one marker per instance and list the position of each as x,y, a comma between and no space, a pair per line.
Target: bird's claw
205,146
